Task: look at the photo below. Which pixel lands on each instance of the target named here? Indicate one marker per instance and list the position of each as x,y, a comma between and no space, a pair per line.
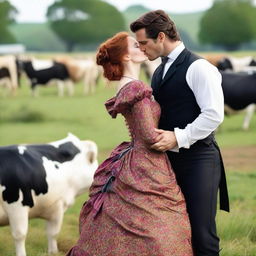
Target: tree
7,17
185,37
229,23
84,21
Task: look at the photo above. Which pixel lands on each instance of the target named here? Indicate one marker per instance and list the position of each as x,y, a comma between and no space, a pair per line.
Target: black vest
177,101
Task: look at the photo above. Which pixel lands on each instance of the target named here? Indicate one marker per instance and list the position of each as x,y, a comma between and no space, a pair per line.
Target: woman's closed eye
136,45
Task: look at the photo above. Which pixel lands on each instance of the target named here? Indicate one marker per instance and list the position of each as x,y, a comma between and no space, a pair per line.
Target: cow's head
252,63
87,148
79,170
224,64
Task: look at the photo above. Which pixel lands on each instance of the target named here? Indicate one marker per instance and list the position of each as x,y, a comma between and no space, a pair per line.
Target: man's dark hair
155,22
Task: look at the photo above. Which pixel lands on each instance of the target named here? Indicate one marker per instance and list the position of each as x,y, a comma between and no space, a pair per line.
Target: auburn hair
110,55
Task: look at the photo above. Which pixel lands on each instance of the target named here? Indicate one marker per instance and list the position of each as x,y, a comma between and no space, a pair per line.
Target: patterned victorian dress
135,206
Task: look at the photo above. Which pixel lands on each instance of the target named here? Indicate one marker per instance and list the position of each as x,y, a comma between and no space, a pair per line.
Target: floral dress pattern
135,206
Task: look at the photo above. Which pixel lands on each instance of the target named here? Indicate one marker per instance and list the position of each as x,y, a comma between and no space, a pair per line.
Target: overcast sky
35,10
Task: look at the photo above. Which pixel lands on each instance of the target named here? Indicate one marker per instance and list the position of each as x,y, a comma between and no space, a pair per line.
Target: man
188,89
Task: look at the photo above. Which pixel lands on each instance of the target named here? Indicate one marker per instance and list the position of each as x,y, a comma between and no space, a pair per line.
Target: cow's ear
72,136
91,156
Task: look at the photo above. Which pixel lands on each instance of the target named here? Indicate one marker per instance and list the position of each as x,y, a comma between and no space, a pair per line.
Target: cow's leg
94,79
60,85
34,92
248,116
92,84
6,83
53,227
9,87
86,83
13,90
18,219
70,87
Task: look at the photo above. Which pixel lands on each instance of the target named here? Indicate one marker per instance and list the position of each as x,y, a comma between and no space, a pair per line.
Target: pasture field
24,119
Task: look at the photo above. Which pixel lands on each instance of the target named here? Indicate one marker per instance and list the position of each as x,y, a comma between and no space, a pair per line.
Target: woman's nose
142,48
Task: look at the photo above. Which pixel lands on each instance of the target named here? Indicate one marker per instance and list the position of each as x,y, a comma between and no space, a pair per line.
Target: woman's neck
132,70
131,73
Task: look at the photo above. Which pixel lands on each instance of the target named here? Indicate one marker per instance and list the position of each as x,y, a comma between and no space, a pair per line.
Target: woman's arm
143,117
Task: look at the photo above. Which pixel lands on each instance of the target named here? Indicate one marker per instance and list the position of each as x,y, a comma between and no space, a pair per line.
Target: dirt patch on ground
240,158
235,158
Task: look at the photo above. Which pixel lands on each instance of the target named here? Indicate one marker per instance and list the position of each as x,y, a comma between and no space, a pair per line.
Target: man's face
151,47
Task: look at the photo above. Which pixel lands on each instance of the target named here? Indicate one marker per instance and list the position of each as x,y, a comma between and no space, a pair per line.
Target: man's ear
161,36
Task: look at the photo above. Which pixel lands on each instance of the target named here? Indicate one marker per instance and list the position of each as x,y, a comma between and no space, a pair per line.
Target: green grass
237,229
54,117
24,119
230,133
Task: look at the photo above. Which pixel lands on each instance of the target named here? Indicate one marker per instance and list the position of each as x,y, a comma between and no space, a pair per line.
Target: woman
135,206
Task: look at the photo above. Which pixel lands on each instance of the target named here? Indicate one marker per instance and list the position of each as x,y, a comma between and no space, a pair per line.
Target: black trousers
198,172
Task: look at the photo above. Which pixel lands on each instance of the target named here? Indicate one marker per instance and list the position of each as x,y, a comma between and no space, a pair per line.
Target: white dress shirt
204,80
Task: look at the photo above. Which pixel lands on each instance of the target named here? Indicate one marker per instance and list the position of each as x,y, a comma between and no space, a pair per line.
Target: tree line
227,24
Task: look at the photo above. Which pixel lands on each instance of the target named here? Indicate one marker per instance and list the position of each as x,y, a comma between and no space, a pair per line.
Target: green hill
37,37
188,22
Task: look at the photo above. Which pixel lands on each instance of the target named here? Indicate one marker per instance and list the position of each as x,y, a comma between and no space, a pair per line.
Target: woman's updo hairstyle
110,55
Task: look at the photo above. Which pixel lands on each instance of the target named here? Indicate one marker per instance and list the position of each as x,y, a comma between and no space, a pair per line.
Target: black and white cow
42,181
239,91
84,70
43,72
243,64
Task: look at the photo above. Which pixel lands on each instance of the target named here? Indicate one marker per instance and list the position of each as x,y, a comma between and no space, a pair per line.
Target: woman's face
134,51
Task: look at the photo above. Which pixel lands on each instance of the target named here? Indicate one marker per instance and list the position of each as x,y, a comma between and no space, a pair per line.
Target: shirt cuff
181,138
175,149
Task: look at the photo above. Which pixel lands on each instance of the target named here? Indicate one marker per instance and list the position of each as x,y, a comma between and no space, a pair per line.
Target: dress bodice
136,103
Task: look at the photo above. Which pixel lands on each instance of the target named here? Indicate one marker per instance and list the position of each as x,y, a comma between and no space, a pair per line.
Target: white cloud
31,10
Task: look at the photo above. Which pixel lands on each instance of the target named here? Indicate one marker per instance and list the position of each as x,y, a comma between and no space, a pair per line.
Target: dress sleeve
145,124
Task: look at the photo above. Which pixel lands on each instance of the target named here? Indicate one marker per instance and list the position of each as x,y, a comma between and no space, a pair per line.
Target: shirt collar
176,52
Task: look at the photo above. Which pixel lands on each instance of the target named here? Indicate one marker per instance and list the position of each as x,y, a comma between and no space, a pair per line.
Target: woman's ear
126,57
